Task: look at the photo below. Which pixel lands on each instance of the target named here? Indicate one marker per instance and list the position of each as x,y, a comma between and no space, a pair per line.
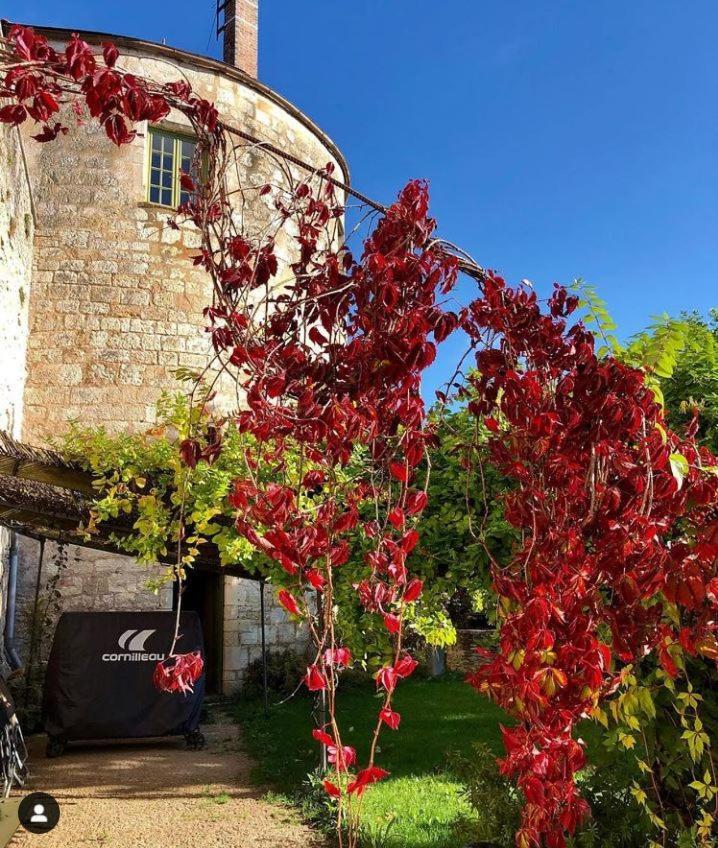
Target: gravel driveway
160,795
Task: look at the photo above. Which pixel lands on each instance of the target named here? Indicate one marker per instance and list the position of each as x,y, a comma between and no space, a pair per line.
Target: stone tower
100,303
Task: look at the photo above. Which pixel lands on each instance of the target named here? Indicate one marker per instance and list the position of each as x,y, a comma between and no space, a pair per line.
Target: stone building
99,303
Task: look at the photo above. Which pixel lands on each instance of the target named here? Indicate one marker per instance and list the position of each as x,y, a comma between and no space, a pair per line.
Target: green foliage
678,355
693,382
595,315
616,821
658,350
141,476
494,799
666,729
461,529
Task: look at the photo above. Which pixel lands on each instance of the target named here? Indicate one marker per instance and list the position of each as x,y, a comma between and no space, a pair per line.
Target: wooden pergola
44,496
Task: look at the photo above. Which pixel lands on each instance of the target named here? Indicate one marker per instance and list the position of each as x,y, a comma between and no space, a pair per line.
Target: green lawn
437,717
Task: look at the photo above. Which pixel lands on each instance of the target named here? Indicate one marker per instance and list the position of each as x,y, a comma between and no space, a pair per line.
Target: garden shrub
495,799
284,670
616,822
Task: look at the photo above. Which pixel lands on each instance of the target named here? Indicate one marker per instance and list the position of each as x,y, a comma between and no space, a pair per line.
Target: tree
689,376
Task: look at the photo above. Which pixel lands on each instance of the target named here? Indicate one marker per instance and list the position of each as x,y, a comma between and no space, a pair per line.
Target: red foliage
605,526
178,673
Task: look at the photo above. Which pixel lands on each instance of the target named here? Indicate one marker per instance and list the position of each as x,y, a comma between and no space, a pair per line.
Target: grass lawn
437,716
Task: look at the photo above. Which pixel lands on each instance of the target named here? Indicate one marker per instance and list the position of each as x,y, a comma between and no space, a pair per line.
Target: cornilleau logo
134,640
132,643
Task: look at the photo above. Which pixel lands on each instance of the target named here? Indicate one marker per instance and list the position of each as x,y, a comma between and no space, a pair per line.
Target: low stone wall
461,657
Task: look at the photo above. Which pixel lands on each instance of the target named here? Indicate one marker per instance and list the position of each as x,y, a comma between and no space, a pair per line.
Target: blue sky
561,139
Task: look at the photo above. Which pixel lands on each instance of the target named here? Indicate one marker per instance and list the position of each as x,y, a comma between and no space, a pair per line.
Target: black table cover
99,676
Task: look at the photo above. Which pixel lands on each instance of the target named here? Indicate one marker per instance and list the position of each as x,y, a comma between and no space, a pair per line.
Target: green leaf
679,468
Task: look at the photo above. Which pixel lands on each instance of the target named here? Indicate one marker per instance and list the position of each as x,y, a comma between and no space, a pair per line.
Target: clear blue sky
561,139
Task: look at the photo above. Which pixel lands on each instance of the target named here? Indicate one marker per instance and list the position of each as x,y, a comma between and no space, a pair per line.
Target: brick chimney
240,28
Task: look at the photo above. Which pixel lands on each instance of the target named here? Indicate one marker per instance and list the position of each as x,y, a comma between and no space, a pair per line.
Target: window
170,155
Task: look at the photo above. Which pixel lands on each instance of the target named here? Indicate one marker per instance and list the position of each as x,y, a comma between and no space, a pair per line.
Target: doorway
203,593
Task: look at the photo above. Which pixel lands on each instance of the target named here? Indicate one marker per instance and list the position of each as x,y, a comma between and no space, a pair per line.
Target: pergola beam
44,497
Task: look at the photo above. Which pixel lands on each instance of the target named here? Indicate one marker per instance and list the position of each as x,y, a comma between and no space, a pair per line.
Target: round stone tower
115,305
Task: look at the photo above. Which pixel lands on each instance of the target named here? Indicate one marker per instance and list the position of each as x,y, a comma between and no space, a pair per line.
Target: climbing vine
615,513
618,551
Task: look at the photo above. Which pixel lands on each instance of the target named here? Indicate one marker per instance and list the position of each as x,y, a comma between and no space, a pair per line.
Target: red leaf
340,657
110,54
322,736
313,479
667,661
178,673
392,622
390,718
399,471
416,502
275,385
406,666
187,183
409,540
365,778
117,130
387,678
190,452
316,579
181,89
339,554
14,114
314,679
43,107
686,639
397,517
344,758
289,602
80,58
331,789
413,590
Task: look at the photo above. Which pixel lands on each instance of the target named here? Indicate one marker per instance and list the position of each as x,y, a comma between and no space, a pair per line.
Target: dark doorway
203,592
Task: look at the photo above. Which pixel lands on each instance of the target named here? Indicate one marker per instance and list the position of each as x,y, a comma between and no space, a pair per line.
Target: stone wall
16,247
116,304
16,250
242,628
461,657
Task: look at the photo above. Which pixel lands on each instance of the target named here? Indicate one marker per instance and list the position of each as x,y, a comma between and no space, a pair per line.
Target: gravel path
159,795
